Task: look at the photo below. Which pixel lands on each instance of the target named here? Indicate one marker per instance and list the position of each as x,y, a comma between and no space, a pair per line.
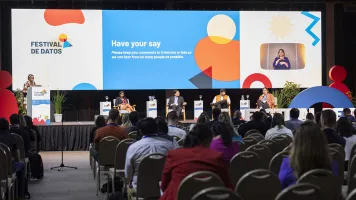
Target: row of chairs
9,183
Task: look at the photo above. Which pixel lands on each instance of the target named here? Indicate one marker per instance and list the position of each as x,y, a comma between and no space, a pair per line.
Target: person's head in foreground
4,125
126,120
222,130
28,121
277,121
317,118
15,119
347,111
225,118
216,113
31,78
114,117
203,118
100,121
134,117
281,53
265,91
199,135
328,119
148,126
162,125
237,114
344,127
172,118
310,117
122,94
257,116
309,150
222,92
176,93
294,113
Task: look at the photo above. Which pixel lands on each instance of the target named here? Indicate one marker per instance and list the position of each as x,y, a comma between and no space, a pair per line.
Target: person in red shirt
112,128
195,156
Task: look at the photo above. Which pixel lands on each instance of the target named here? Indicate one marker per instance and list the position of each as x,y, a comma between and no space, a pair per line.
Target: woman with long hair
30,125
202,119
99,122
222,141
123,103
225,118
278,127
345,129
281,61
309,151
194,156
126,120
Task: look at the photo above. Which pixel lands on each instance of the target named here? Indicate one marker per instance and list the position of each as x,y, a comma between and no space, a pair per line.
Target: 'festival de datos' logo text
50,47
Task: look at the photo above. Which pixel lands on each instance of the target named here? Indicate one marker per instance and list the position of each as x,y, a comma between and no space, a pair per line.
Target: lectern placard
39,105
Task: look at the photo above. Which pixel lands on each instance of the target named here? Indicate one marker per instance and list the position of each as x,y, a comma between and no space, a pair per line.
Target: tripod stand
61,166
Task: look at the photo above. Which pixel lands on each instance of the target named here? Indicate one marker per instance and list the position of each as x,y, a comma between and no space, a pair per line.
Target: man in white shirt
222,100
173,130
151,142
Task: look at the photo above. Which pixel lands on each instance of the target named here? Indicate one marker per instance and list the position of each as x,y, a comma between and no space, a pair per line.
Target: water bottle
242,97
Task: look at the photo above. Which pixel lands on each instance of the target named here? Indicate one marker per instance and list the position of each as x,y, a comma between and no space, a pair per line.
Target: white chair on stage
122,111
169,110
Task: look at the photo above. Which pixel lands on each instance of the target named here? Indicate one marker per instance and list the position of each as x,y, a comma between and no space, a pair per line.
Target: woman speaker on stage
123,103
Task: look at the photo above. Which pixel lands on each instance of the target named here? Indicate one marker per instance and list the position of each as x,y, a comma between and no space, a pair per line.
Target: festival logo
51,47
43,91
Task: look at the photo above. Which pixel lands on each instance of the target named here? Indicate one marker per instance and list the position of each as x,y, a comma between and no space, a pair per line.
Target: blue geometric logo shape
308,29
321,94
66,44
84,86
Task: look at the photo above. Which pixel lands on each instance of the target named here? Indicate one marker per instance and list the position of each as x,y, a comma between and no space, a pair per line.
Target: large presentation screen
122,49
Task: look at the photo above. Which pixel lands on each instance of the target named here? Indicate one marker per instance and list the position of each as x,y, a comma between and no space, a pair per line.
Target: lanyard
111,124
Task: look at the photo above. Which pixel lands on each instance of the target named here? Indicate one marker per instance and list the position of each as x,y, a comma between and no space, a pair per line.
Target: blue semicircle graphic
84,86
321,94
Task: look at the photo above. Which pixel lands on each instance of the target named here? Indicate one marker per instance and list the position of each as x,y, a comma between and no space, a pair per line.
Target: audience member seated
267,120
294,122
328,123
309,151
216,113
222,141
163,131
348,115
310,117
134,118
225,118
29,123
237,119
17,166
173,130
15,127
150,143
278,127
255,123
99,123
195,156
317,119
202,119
344,129
125,120
111,129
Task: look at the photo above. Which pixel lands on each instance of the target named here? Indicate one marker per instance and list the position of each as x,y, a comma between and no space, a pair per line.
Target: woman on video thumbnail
281,62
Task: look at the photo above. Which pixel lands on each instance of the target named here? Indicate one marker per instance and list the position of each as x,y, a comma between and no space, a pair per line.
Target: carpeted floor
68,184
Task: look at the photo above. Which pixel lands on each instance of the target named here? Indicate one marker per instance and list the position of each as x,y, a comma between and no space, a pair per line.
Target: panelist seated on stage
266,100
122,103
176,102
222,100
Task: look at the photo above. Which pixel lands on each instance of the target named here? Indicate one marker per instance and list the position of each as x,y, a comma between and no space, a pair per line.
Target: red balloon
337,73
8,104
5,79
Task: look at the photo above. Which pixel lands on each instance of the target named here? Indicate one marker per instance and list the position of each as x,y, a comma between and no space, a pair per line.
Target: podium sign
151,109
105,108
244,104
39,105
198,108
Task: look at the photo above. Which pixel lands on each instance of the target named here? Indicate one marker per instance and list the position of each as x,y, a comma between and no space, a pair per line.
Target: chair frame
123,111
218,196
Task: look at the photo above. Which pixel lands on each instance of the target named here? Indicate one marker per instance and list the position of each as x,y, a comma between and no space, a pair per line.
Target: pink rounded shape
5,79
9,105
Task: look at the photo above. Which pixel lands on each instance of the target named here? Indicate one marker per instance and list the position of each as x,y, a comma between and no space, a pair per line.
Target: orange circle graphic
223,58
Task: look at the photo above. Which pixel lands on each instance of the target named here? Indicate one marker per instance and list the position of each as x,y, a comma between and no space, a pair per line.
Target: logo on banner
43,91
198,104
51,47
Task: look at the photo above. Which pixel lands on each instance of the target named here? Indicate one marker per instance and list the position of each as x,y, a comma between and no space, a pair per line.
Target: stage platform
76,135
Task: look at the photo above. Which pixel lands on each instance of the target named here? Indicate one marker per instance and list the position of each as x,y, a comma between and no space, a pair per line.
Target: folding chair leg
113,183
98,180
94,169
